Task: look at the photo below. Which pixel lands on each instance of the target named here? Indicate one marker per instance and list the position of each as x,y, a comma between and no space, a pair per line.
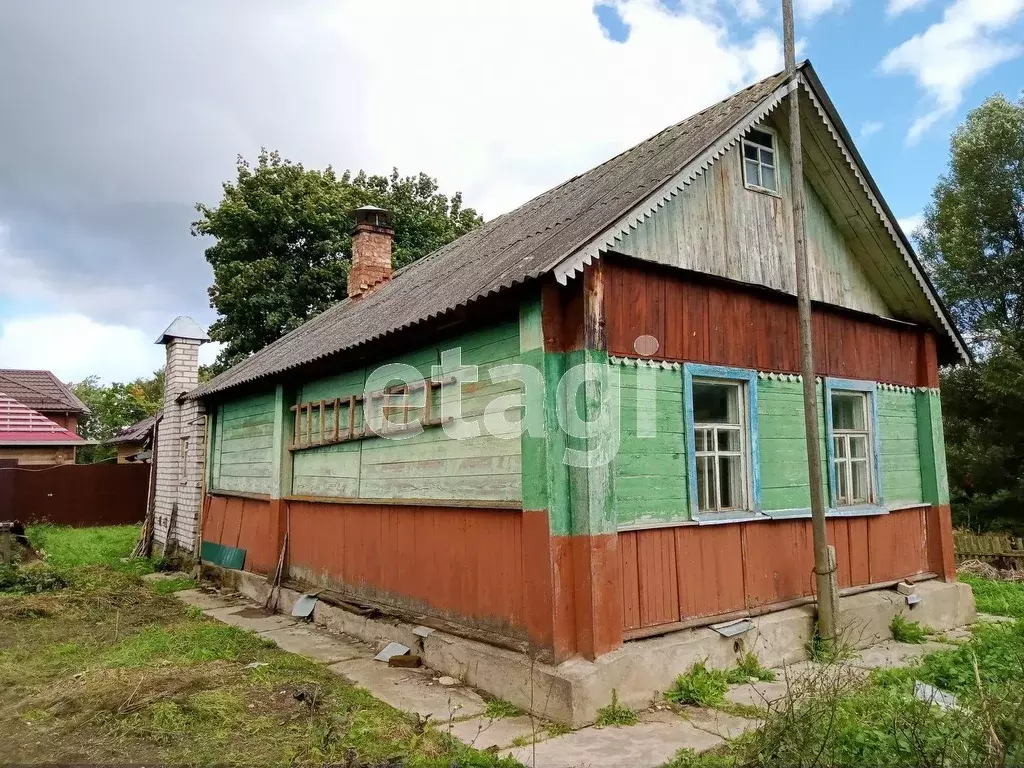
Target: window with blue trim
853,451
721,436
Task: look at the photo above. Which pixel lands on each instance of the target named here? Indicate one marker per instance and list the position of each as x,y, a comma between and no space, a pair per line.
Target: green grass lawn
1002,598
101,667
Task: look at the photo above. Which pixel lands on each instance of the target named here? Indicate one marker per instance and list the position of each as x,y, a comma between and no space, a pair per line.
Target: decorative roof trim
574,263
890,228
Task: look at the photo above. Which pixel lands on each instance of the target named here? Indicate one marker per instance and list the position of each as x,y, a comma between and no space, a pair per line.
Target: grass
841,720
904,631
499,708
700,687
1002,598
106,669
749,669
615,714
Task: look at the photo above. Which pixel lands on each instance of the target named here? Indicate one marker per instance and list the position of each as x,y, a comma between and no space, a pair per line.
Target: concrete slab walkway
655,740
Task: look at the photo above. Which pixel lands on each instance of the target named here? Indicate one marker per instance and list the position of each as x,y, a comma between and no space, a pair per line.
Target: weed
749,669
499,708
557,729
170,586
616,714
24,580
828,651
701,687
905,631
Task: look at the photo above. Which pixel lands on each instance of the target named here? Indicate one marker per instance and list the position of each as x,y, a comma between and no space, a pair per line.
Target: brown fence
74,494
999,549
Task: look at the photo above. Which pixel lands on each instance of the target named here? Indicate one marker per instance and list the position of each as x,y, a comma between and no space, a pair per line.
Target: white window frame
759,187
868,391
746,383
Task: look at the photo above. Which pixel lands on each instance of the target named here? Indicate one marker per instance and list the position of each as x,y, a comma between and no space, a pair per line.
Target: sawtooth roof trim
576,220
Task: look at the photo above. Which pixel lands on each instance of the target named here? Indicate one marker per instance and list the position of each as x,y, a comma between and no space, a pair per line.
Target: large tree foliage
973,243
114,407
283,242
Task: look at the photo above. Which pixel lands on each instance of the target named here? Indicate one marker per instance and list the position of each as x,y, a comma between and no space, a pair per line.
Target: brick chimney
371,251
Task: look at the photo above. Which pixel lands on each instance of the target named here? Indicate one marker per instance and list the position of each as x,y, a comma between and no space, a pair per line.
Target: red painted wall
687,572
244,523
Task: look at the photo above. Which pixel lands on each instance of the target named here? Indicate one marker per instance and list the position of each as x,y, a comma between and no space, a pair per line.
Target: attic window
760,171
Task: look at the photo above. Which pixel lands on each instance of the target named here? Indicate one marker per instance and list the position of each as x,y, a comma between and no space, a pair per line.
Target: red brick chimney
371,251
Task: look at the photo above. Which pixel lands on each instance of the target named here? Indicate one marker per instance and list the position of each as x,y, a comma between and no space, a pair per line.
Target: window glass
716,403
851,455
760,137
720,441
759,166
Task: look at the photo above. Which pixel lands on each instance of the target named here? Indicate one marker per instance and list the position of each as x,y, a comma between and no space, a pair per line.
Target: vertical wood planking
710,570
659,595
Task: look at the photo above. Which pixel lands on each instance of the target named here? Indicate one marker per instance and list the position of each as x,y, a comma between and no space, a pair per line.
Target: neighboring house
135,443
46,394
28,437
659,485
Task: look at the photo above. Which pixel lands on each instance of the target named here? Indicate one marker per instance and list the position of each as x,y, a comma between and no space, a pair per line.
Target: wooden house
643,469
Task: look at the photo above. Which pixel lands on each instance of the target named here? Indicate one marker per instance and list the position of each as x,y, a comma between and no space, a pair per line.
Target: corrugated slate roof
138,432
511,249
40,390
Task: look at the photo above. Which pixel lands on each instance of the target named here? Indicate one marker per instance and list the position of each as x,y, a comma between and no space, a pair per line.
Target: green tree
972,241
114,407
283,237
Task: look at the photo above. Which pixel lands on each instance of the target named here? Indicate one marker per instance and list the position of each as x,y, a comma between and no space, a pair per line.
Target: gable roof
40,390
22,425
557,233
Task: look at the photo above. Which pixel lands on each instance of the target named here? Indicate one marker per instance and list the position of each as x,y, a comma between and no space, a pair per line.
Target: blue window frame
852,446
724,475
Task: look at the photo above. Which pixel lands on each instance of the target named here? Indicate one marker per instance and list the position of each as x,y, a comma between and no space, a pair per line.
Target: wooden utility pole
824,555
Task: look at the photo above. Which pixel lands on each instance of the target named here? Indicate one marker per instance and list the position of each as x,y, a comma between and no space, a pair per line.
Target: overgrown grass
615,714
111,545
749,668
499,708
700,687
107,670
906,631
838,719
1002,598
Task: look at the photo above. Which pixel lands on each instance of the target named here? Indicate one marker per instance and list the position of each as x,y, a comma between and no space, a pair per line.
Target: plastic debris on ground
392,649
304,606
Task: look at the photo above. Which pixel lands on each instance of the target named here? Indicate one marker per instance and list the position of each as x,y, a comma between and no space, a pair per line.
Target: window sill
863,510
720,518
763,191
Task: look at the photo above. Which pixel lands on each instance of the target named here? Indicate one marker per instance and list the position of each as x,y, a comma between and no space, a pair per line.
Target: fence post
7,477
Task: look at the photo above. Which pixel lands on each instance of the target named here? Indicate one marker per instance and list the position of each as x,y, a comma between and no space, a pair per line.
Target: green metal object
222,555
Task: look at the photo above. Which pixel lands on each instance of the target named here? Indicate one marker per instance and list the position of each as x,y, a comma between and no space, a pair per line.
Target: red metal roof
21,424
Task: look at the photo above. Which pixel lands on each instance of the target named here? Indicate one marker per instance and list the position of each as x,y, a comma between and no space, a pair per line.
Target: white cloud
74,346
118,133
870,128
954,52
749,10
812,9
896,7
909,224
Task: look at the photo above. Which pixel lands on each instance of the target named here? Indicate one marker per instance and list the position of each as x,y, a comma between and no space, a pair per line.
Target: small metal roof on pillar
183,327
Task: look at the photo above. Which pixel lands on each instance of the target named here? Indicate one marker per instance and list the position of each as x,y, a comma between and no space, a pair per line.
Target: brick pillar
371,251
181,441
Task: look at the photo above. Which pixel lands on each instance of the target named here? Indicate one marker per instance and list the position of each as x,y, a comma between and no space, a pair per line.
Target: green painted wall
649,474
901,454
431,464
243,434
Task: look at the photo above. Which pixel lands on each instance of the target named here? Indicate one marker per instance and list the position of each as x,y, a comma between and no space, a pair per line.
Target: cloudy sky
119,116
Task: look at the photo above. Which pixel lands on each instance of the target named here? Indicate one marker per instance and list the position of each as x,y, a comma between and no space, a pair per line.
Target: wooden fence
998,549
74,494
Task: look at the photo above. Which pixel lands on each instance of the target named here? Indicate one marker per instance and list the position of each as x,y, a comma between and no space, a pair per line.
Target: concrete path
660,734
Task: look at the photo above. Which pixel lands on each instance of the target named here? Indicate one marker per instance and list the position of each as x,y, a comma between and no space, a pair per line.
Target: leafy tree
283,238
973,243
114,407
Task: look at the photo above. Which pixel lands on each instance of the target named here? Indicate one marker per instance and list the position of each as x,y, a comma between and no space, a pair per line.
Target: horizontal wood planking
458,564
430,464
675,574
782,443
243,448
699,320
901,451
242,523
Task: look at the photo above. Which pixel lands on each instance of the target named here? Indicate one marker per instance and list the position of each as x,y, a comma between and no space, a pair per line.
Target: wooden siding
243,523
782,445
458,564
901,449
243,445
719,227
717,323
39,455
649,472
675,574
431,464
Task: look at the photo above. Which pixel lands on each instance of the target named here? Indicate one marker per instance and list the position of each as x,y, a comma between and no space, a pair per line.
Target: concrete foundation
572,692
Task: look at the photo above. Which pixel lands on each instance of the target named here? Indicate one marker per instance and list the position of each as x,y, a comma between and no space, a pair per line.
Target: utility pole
824,555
